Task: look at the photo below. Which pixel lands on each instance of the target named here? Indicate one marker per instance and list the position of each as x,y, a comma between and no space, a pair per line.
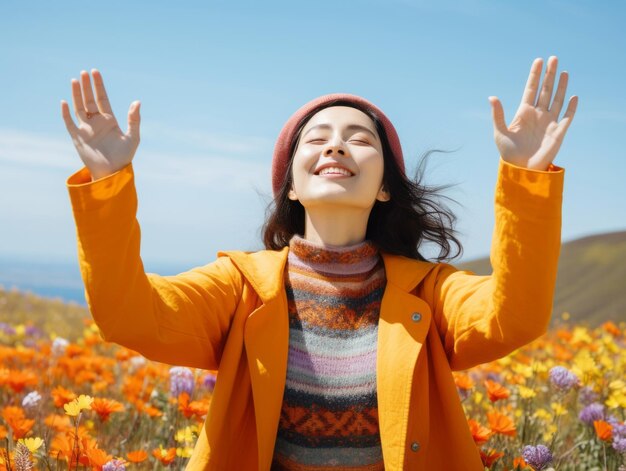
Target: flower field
557,403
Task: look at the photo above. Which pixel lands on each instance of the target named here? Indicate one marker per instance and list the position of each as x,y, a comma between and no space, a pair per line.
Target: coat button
415,446
416,317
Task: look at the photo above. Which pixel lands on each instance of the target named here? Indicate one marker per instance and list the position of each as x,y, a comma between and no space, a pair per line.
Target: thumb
133,120
498,115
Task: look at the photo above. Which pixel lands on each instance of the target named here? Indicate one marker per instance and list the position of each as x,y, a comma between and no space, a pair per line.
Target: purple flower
181,379
619,444
594,411
537,456
587,395
114,465
562,378
209,381
33,331
6,328
617,427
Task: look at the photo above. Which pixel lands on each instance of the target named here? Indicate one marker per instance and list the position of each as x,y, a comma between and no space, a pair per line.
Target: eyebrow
351,126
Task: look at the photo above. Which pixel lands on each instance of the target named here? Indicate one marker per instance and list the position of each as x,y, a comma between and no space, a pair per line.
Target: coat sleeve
483,318
179,320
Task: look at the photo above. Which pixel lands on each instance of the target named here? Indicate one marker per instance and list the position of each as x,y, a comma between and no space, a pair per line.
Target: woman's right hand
101,144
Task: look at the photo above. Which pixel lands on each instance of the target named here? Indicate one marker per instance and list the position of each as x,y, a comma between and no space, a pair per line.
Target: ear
292,195
383,194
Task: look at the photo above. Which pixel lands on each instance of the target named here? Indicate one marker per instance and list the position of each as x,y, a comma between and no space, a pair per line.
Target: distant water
55,279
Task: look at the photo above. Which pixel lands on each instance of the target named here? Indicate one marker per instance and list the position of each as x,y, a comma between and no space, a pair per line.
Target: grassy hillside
591,281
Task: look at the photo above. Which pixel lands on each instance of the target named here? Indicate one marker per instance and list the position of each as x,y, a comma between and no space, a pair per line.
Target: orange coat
231,315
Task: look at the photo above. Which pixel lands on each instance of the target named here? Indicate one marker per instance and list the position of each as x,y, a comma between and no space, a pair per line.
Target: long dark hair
398,226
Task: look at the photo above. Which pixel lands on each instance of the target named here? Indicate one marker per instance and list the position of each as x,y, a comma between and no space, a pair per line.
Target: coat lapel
402,328
403,325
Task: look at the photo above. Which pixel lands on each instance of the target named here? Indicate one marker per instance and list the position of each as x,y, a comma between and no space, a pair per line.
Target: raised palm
534,137
102,146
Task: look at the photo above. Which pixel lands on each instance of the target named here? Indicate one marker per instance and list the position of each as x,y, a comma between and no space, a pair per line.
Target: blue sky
218,79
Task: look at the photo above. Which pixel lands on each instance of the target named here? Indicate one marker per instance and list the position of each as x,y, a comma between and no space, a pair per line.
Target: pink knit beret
280,161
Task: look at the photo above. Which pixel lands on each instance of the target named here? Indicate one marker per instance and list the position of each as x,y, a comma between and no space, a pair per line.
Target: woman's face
338,161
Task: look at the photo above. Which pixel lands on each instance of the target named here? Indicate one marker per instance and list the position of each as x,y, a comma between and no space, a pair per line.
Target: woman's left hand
534,137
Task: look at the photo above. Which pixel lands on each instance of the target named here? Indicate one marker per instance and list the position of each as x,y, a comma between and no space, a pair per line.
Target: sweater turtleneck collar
349,259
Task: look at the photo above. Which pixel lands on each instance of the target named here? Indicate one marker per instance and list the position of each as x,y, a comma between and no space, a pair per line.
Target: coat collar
265,270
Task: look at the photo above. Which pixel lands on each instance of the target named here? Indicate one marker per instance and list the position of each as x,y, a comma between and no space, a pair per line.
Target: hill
591,279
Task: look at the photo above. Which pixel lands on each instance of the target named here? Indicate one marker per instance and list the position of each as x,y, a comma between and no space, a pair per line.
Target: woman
335,346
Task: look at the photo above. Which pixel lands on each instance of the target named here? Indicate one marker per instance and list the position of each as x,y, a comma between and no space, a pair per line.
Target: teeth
334,170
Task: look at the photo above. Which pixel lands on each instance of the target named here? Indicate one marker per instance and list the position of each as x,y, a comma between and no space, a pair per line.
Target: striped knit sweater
329,417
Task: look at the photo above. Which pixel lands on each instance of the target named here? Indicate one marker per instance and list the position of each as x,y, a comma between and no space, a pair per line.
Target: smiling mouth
335,171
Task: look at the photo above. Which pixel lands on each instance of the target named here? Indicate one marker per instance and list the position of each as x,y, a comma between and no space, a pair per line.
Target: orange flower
137,456
74,350
104,407
64,446
62,396
189,409
463,381
148,409
15,418
490,457
496,391
18,380
58,422
611,328
500,423
97,458
479,433
604,430
520,463
165,456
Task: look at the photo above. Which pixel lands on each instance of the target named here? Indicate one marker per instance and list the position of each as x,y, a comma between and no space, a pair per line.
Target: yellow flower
31,443
616,399
81,402
539,367
184,452
618,384
565,316
584,364
526,393
581,334
558,409
543,414
609,343
20,330
478,397
186,434
547,435
607,362
524,370
505,361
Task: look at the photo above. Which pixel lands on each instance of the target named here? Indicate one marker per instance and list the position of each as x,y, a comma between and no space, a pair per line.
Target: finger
133,121
90,103
559,96
102,98
567,117
548,84
67,117
77,99
532,84
497,113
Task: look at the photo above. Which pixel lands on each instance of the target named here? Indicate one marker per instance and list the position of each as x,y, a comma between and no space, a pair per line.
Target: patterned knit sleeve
483,318
179,320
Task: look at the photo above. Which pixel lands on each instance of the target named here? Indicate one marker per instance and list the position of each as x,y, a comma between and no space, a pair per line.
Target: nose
334,146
